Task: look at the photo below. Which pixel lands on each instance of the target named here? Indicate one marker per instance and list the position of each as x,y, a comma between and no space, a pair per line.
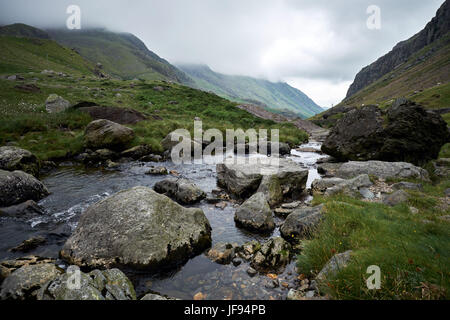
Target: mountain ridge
276,97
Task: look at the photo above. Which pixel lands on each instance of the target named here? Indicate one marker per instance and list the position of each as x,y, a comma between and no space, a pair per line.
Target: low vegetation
25,123
412,250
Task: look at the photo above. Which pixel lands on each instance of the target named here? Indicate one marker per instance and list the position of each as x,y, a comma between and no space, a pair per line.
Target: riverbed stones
301,223
182,190
399,196
381,169
14,158
404,132
255,214
270,186
137,152
137,228
26,210
100,134
24,282
273,256
17,187
222,253
334,265
56,104
29,244
244,179
157,171
110,284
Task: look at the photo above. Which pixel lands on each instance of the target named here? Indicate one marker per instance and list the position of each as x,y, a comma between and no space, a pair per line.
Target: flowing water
74,188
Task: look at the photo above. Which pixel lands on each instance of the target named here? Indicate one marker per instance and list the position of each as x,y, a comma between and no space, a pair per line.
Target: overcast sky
317,46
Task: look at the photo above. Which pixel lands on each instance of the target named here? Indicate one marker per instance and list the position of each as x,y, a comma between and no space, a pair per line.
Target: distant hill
276,97
418,69
24,31
121,54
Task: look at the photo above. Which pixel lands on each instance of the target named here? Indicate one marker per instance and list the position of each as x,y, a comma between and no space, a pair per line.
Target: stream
74,188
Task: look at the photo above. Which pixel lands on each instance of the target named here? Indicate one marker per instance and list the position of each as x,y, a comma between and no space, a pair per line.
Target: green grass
412,255
25,123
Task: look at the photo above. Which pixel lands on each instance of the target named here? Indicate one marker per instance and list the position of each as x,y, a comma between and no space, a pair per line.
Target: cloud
318,42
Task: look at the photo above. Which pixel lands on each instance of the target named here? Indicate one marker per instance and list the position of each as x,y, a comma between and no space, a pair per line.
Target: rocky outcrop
115,114
243,180
396,198
355,187
383,170
405,132
24,282
110,284
17,187
182,190
14,158
255,214
56,104
434,30
137,228
301,223
102,133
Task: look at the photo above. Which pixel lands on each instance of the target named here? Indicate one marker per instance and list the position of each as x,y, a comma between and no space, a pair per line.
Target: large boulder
405,132
255,214
244,179
110,284
17,187
137,228
383,170
353,187
301,223
25,282
103,133
55,104
182,190
174,138
14,158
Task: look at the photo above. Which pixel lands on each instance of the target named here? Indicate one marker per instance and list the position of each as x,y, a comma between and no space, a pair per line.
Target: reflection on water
73,189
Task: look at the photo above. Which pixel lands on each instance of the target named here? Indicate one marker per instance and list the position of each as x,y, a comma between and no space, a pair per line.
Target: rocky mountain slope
122,54
436,29
278,97
417,69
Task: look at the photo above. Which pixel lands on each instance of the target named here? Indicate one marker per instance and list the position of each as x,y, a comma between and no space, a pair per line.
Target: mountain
278,97
23,31
122,54
418,69
27,49
435,30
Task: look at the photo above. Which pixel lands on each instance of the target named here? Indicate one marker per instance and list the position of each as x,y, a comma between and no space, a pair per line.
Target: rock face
301,223
55,104
102,133
14,158
244,179
380,169
23,283
110,284
273,256
138,228
17,187
255,214
405,132
182,190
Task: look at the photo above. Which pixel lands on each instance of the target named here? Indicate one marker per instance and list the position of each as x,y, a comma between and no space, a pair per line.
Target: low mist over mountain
277,97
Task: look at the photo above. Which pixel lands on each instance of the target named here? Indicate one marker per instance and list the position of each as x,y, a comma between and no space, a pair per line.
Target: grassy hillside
122,54
26,55
276,97
25,123
23,31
